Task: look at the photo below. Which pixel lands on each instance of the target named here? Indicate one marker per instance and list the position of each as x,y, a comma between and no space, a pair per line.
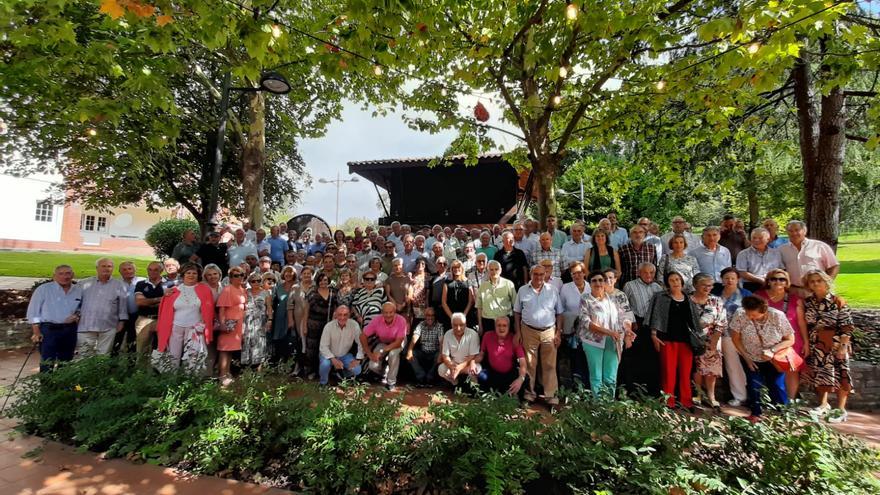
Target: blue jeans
325,366
59,343
766,375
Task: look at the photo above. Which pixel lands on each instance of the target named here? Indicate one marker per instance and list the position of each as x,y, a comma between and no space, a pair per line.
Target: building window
102,224
91,223
44,211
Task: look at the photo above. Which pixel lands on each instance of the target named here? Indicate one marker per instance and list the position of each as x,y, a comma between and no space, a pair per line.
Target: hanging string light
563,72
754,47
377,69
661,84
556,100
571,12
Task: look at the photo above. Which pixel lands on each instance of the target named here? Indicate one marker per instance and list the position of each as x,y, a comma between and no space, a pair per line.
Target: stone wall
867,386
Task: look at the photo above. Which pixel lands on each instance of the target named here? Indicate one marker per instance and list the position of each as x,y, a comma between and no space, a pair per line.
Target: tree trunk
545,169
823,205
751,187
808,127
253,160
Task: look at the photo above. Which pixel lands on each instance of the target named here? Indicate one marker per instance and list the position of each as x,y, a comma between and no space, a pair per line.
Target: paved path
33,466
17,283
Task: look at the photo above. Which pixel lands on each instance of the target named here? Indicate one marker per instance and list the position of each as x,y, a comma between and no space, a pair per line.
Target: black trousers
639,369
127,336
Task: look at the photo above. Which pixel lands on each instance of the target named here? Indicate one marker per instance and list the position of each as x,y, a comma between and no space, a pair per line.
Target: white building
32,221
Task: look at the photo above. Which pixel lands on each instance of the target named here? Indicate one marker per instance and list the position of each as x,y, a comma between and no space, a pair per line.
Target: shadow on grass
864,266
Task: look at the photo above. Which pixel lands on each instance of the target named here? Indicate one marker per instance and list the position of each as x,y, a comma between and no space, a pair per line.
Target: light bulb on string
377,69
661,84
563,72
556,100
276,31
571,12
92,132
754,47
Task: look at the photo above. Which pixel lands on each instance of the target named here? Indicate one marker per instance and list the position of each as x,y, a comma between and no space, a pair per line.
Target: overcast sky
359,136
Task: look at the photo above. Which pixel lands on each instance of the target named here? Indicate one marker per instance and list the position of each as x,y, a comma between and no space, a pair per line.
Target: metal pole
338,187
218,149
583,217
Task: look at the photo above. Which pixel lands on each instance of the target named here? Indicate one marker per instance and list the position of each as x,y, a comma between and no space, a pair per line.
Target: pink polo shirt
501,355
387,333
813,255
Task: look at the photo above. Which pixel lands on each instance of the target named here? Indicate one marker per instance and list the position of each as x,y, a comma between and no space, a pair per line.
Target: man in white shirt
679,226
522,242
240,249
619,235
335,347
800,255
574,250
461,347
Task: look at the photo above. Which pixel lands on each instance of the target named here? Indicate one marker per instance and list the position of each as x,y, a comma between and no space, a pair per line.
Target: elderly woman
321,303
232,303
186,319
368,300
345,287
759,333
677,336
283,334
778,296
830,329
601,332
374,266
731,296
297,302
257,319
211,276
677,260
601,255
456,296
420,282
398,288
713,323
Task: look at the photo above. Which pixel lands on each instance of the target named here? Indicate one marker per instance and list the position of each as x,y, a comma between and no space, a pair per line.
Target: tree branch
867,94
860,139
534,19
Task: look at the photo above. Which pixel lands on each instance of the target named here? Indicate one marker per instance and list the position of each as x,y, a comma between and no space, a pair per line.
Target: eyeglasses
597,281
441,263
236,275
778,279
576,273
369,279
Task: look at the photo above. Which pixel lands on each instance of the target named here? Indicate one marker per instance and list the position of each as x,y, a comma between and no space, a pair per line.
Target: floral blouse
604,312
771,332
713,317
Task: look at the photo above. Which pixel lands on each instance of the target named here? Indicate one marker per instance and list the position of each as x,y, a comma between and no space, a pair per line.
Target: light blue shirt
103,305
538,309
132,306
775,243
277,247
409,260
574,251
712,262
757,263
527,246
50,304
618,238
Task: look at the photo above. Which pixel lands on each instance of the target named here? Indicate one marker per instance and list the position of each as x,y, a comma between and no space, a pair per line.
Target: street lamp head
354,179
274,82
323,181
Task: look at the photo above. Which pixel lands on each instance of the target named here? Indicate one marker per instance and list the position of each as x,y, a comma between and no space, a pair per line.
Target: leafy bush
165,234
292,435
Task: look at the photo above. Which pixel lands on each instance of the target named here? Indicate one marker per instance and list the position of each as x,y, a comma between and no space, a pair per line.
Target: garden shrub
353,440
165,234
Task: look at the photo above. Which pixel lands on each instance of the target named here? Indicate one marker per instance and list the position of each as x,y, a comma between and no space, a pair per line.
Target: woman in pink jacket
186,316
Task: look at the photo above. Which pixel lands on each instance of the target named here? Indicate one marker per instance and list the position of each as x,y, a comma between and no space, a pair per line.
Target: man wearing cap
212,252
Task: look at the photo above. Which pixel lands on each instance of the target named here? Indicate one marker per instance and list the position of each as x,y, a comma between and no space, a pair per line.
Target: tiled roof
419,161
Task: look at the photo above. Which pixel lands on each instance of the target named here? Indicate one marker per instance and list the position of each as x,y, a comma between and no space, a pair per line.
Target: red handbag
787,360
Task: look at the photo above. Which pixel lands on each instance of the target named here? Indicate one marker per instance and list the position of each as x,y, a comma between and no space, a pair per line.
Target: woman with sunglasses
778,296
232,304
257,319
367,301
731,296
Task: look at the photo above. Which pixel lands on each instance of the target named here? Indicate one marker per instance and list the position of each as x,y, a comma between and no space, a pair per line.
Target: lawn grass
859,279
42,263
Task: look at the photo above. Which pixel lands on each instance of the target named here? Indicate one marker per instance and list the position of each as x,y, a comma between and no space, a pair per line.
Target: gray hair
100,260
493,263
458,316
483,255
760,231
647,264
211,266
702,276
800,225
505,318
711,228
62,267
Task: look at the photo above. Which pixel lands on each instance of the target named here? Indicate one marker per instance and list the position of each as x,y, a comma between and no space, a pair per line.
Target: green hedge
165,234
293,435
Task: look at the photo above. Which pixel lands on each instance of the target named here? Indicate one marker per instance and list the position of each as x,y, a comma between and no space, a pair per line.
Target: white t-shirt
459,350
187,307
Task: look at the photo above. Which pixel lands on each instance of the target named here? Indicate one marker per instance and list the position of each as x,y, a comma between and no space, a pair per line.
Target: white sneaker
820,411
735,403
837,416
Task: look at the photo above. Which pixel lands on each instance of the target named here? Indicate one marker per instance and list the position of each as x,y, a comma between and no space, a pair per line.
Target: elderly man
458,357
128,275
424,347
754,262
558,237
172,268
277,244
734,239
546,251
679,226
773,228
650,238
388,256
711,256
436,254
337,339
249,232
503,361
53,313
366,253
634,253
494,298
104,311
574,249
639,363
147,295
187,247
514,262
496,235
409,255
538,318
396,236
390,330
435,289
618,235
479,273
212,252
435,231
522,242
469,260
801,255
241,249
486,246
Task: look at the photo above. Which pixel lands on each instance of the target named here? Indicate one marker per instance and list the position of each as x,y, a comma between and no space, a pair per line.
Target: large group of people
518,310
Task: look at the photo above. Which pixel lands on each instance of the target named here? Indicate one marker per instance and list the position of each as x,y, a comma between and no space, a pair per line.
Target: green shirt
496,300
488,251
559,238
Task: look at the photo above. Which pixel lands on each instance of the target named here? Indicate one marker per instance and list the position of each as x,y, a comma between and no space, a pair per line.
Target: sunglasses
778,279
236,275
369,279
597,281
270,282
441,263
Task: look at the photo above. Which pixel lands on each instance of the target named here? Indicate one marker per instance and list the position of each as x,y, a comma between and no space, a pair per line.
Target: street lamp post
270,81
338,181
566,193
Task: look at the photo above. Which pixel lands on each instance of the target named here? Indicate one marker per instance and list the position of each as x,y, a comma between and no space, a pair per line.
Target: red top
166,313
502,354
